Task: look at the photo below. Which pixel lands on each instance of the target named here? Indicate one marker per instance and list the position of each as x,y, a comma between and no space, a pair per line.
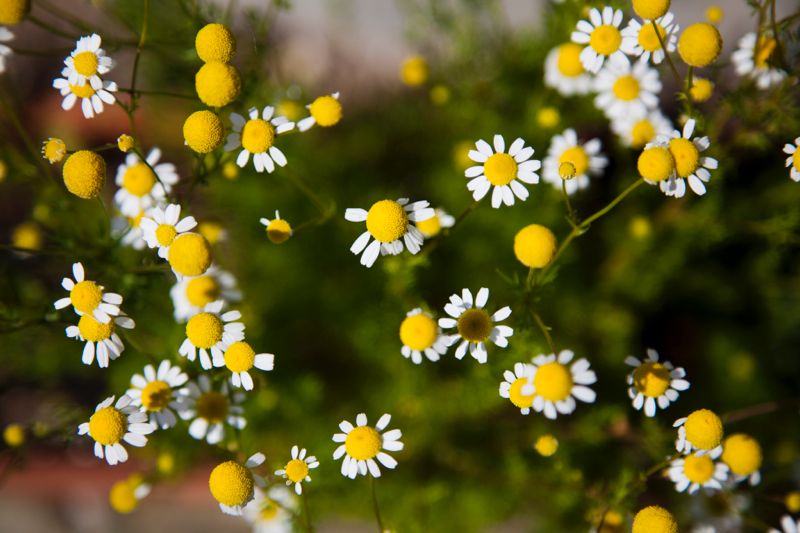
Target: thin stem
307,512
375,505
672,67
570,212
134,74
758,409
38,160
309,193
140,92
778,44
545,331
469,209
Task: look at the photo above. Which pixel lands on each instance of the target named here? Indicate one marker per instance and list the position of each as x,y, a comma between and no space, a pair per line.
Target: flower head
602,38
162,226
240,359
654,519
126,143
625,90
296,470
474,326
217,84
84,174
555,384
278,229
697,471
233,484
639,39
504,171
585,159
159,393
702,430
535,246
125,495
361,445
564,72
271,511
513,385
110,425
700,44
143,184
690,165
636,132
752,58
87,62
215,42
793,161
189,255
101,339
546,445
432,226
210,410
191,295
420,335
653,382
92,97
54,150
203,131
414,71
742,454
211,332
87,297
256,136
326,111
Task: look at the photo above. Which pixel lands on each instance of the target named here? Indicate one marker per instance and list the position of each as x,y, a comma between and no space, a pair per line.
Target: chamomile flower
88,298
701,430
124,495
162,225
110,425
5,51
752,57
602,38
233,484
54,150
101,339
88,62
555,384
564,72
474,326
690,166
793,160
502,170
143,184
696,471
191,294
639,39
420,335
256,136
92,98
788,525
240,358
271,511
653,382
159,393
278,229
325,111
296,470
128,231
585,159
514,382
636,132
210,410
389,224
742,454
361,445
211,331
432,226
625,90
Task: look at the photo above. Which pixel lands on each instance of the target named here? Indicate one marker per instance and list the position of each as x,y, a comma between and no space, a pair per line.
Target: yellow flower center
85,63
742,454
202,290
190,254
231,484
766,45
156,395
500,169
566,170
138,179
362,443
387,221
204,330
699,44
546,445
474,325
701,89
212,406
296,470
326,110
92,330
239,357
642,133
430,227
108,426
217,84
651,379
553,381
792,501
165,234
548,117
704,429
714,14
626,88
210,229
203,131
648,39
121,497
535,245
698,468
82,91
279,230
125,143
14,435
578,157
655,163
54,150
257,136
654,519
86,296
796,159
605,39
214,42
269,510
418,332
517,397
134,221
686,156
569,60
84,174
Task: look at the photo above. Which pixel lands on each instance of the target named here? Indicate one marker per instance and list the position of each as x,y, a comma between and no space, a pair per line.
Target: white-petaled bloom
296,470
602,38
211,331
5,51
689,164
432,226
420,335
696,471
191,295
564,72
702,431
233,485
788,525
278,229
210,410
101,339
389,224
793,160
639,39
88,62
555,386
755,64
573,161
128,231
92,99
742,453
110,425
240,358
653,382
88,298
514,382
271,512
159,393
637,132
502,170
474,326
625,90
361,445
143,184
161,225
256,137
324,110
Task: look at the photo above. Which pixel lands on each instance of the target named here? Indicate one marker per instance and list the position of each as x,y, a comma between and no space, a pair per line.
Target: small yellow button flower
28,236
215,42
203,131
54,150
701,90
326,110
84,174
700,430
14,435
535,246
714,14
278,229
700,44
232,484
190,254
742,454
217,84
656,163
414,71
125,143
546,445
654,519
124,495
548,117
651,9
13,11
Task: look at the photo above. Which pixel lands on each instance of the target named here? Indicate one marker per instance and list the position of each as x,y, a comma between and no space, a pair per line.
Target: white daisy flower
240,358
564,72
161,225
474,326
420,335
555,386
742,453
88,62
325,111
602,38
583,159
278,229
143,184
159,392
128,231
502,170
702,431
271,512
362,445
637,132
625,90
210,410
109,426
92,98
697,471
256,137
296,470
5,51
689,165
639,39
756,65
788,525
191,295
388,223
125,495
432,226
211,331
101,339
88,298
233,485
652,382
793,160
514,382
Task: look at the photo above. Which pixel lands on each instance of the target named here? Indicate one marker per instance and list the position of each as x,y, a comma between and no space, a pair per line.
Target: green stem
38,160
375,507
139,92
142,37
307,512
778,45
545,331
758,409
310,194
570,212
672,66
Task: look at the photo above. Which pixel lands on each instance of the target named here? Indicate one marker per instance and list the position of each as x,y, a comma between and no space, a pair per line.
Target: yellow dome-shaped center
85,63
418,332
766,45
605,39
326,110
138,179
156,395
742,454
553,382
165,234
642,133
85,296
212,406
796,160
279,231
387,221
108,426
202,290
239,357
698,468
190,254
92,330
430,227
648,39
626,88
651,379
517,397
686,156
257,136
204,330
578,157
474,325
296,470
231,484
569,60
82,91
704,429
363,443
122,498
654,519
500,169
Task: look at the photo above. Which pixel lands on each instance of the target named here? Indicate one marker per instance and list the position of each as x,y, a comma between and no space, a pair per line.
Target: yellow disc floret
215,42
546,445
85,63
94,331
500,169
203,131
54,150
567,171
190,254
231,484
84,174
535,246
108,425
516,395
553,382
700,44
239,357
651,379
703,429
431,226
701,90
414,71
82,91
387,221
14,435
642,133
686,156
654,519
257,136
139,179
296,470
698,468
125,143
202,290
326,110
279,231
578,157
85,296
204,330
605,39
122,497
217,84
651,9
363,443
474,325
418,332
626,88
156,395
165,234
742,454
13,11
569,60
212,406
656,163
649,39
